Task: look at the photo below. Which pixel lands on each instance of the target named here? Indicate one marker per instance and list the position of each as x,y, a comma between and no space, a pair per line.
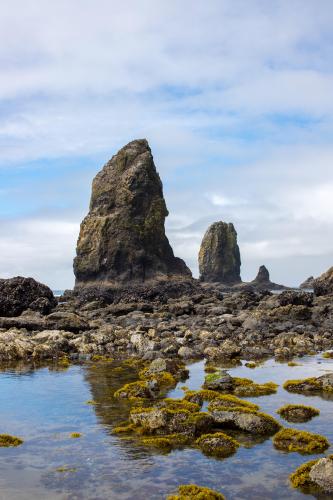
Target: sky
234,96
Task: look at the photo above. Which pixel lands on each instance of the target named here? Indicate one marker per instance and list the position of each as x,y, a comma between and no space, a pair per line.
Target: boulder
324,284
19,294
246,420
322,474
122,239
219,256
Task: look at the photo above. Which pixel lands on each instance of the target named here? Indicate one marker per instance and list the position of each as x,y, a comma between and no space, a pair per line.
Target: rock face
19,294
262,276
308,283
324,284
219,256
122,239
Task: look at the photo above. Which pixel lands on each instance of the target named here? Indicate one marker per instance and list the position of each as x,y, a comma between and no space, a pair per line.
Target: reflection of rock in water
104,379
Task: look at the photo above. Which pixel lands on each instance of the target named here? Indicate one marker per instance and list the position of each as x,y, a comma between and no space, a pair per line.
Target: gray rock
322,474
219,256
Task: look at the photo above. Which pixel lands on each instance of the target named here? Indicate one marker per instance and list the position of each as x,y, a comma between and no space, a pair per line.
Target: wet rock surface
187,321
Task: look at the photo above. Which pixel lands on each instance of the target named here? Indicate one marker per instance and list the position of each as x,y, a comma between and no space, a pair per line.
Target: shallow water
44,405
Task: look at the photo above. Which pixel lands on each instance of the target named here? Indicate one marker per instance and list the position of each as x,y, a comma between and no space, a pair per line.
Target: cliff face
219,256
122,239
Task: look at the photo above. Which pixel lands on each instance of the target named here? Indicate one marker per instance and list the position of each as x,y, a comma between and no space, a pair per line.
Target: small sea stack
219,256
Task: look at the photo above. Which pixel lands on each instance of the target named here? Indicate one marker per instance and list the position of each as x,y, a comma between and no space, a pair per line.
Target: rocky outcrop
19,294
122,239
219,256
324,284
308,283
262,276
263,282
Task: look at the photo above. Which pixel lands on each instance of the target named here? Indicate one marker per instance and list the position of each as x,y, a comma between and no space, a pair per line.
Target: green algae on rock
248,388
294,440
6,440
217,444
310,385
297,413
194,492
168,442
230,401
75,435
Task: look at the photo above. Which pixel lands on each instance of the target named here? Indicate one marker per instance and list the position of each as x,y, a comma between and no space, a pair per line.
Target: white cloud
234,96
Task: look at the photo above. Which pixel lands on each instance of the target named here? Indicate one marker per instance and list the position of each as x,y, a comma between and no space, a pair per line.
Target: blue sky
234,96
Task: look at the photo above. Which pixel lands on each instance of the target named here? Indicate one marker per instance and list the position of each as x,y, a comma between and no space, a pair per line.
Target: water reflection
44,405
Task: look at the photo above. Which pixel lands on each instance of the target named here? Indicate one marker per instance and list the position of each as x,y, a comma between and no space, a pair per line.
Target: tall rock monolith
122,239
219,256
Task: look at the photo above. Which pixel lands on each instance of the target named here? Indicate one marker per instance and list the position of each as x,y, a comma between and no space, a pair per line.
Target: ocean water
44,405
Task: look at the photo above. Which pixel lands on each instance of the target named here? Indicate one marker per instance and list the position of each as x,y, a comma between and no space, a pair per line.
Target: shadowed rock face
219,257
19,294
262,276
122,239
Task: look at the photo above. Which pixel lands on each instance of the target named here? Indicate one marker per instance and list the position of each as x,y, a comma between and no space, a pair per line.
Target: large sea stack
219,256
122,239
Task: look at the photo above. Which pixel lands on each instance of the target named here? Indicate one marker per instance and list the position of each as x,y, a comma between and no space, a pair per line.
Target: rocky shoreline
133,297
186,320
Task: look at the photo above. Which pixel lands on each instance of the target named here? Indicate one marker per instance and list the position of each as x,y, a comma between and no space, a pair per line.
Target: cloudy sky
234,96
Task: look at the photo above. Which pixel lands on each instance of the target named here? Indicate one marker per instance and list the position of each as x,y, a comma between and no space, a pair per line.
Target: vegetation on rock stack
219,256
122,239
194,492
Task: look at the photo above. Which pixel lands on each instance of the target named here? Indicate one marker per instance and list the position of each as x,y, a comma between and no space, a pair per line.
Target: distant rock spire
219,256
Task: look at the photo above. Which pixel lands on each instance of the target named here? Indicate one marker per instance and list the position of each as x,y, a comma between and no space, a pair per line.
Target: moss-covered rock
247,388
217,444
194,492
315,476
246,419
310,385
6,440
294,440
166,443
139,389
230,401
219,380
297,413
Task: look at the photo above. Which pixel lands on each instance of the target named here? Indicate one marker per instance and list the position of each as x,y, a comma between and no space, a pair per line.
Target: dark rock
263,282
262,276
122,239
324,284
219,256
295,298
19,294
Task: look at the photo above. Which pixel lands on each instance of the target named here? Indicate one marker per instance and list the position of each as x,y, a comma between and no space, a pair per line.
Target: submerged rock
194,492
122,239
19,294
219,256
